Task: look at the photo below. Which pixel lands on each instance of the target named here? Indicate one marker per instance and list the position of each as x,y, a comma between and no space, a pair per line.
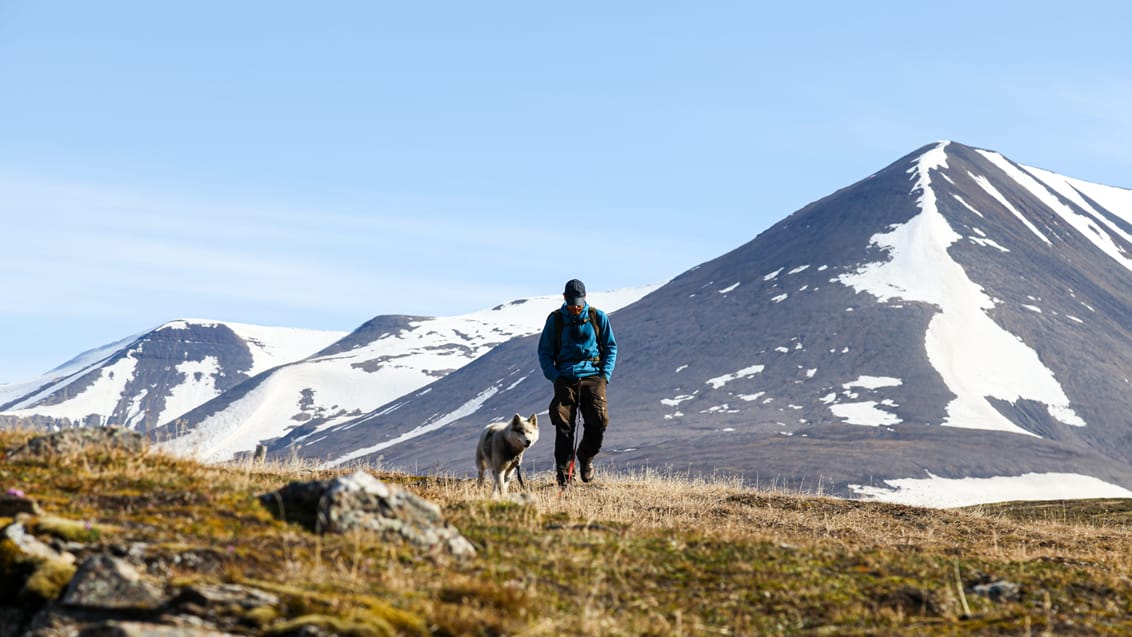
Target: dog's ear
517,421
533,420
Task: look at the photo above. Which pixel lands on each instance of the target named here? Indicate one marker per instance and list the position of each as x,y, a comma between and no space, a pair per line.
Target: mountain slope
158,375
383,359
953,315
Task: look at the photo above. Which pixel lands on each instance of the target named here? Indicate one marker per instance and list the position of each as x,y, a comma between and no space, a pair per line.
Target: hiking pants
572,395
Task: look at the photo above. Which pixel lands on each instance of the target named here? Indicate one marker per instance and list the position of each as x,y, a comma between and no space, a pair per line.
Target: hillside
635,554
953,315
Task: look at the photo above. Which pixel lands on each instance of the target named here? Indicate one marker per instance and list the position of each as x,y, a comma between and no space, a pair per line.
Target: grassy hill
628,555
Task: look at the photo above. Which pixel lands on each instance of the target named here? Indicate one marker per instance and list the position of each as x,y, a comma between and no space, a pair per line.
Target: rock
29,546
70,441
361,501
14,503
140,629
103,581
1000,591
224,596
30,569
107,596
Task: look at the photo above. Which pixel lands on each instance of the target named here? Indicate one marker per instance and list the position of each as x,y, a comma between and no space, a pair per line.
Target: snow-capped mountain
154,377
956,315
380,361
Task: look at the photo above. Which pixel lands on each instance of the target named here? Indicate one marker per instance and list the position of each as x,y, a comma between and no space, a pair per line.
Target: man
577,353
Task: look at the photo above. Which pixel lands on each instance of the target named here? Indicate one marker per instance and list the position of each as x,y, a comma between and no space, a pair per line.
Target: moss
365,609
68,530
26,577
333,625
49,579
261,616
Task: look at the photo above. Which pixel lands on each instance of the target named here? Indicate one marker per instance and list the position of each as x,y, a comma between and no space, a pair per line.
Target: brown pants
572,395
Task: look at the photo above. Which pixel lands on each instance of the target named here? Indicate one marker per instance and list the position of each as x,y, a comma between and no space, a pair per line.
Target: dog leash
574,443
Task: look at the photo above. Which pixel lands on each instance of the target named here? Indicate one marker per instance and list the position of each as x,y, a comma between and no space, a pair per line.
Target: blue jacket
580,354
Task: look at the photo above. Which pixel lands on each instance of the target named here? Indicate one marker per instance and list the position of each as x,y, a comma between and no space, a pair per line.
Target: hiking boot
586,469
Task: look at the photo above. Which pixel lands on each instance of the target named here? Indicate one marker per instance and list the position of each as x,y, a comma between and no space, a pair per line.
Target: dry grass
642,554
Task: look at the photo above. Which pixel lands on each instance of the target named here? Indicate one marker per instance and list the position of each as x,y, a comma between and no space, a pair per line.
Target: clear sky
316,164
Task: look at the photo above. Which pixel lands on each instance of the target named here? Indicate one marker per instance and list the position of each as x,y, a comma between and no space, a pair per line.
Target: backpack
557,314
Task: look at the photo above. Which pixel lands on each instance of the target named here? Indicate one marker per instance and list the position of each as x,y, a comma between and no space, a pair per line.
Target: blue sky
317,164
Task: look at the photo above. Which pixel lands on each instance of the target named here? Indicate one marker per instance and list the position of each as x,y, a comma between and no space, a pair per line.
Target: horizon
273,165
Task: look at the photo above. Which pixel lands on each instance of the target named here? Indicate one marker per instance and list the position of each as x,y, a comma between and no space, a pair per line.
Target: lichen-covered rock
361,501
104,581
30,570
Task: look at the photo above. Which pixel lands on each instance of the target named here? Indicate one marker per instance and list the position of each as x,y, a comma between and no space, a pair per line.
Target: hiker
577,353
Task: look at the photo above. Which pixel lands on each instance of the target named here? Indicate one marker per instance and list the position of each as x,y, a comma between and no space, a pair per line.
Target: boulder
361,501
107,582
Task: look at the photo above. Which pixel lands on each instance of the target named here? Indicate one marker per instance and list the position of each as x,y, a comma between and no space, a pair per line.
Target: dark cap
575,292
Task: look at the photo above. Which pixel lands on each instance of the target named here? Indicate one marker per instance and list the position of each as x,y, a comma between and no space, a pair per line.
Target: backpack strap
557,314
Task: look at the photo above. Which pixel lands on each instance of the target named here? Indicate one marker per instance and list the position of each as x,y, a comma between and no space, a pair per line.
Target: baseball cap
575,292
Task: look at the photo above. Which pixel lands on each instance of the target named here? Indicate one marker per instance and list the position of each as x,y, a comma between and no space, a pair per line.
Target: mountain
153,377
380,361
956,315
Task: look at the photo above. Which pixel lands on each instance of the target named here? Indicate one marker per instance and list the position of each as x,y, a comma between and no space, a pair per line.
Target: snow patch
720,381
865,413
943,493
873,382
675,401
987,243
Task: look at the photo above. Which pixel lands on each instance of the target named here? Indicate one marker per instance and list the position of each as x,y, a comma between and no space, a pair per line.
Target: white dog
501,449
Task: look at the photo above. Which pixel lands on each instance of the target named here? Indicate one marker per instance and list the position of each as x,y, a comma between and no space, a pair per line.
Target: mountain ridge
954,315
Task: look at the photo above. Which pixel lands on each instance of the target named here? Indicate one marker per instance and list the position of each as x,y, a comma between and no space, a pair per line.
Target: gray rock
1000,591
225,596
141,629
31,547
107,582
361,501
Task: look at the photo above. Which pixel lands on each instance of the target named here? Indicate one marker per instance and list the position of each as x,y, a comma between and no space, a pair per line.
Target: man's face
575,310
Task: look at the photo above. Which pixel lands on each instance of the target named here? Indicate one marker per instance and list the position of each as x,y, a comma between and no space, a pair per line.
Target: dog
501,448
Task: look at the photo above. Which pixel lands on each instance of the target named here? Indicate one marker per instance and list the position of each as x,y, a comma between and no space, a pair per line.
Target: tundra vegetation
638,554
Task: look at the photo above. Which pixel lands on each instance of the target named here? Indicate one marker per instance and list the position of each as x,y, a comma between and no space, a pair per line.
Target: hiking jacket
578,354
